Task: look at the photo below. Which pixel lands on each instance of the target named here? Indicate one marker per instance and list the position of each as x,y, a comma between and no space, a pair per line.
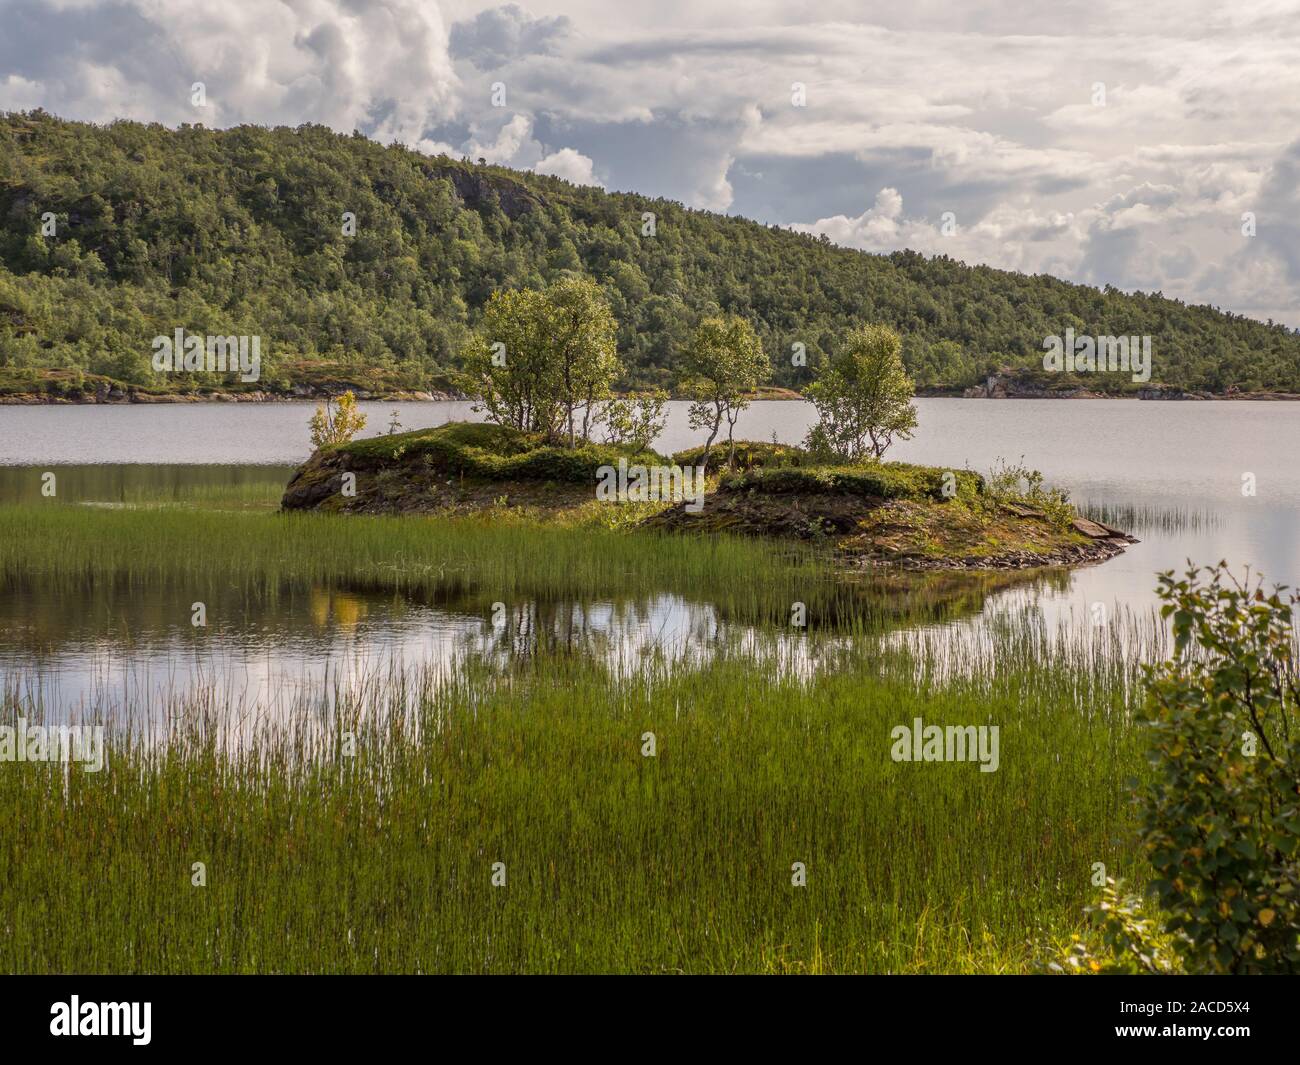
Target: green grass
205,487
614,862
785,468
889,480
382,862
489,556
263,551
747,455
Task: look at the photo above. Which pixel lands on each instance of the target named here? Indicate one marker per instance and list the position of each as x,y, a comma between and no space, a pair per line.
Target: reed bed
496,558
144,485
1145,519
57,543
354,827
381,860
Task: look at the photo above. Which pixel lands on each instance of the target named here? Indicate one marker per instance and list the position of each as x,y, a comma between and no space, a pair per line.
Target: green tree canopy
863,396
542,358
726,362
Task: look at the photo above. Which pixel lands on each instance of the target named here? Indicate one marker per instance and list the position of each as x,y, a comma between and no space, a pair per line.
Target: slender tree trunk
586,416
731,443
708,444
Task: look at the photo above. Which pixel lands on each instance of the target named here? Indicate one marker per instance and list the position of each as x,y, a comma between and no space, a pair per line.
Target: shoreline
147,399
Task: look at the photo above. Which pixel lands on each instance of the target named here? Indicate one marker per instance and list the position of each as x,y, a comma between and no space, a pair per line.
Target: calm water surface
1172,473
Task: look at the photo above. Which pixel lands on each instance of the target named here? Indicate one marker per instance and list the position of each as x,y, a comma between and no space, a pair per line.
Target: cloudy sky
1111,143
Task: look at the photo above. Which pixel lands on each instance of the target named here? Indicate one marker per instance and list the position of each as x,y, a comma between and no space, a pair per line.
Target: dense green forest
241,231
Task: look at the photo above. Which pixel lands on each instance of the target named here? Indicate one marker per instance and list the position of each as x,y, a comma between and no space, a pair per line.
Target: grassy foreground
381,860
680,862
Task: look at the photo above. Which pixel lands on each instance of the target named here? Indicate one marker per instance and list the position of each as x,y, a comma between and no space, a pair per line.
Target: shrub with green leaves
1221,811
747,455
1128,938
636,420
863,398
336,421
1016,483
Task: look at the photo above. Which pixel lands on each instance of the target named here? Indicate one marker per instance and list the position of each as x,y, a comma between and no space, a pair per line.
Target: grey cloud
672,156
497,36
40,42
1278,216
379,66
786,43
1146,193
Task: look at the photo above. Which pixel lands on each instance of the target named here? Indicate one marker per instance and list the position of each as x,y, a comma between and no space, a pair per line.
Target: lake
1171,473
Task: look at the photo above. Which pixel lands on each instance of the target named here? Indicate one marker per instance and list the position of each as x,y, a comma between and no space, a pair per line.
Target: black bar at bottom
337,1014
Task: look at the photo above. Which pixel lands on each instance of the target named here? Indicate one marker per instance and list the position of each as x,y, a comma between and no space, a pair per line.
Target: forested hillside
242,232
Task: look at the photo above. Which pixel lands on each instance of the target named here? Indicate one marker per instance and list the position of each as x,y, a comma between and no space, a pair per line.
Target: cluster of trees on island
374,266
545,361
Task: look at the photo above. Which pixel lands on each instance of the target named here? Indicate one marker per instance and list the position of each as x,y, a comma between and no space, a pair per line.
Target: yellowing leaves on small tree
336,422
726,363
864,398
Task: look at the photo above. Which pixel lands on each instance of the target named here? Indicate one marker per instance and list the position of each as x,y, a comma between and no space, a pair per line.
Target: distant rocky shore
995,386
1011,386
298,394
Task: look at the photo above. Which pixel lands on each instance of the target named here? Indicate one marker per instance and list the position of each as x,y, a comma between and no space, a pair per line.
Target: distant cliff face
1008,385
479,190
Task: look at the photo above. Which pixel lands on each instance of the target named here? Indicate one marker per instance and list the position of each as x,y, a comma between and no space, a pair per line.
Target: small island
889,514
542,369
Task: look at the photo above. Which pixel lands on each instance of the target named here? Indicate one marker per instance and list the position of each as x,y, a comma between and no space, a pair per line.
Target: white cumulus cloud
570,165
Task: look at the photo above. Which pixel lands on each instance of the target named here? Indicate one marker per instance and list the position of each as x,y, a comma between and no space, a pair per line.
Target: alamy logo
651,484
1088,354
950,743
53,743
216,354
102,1018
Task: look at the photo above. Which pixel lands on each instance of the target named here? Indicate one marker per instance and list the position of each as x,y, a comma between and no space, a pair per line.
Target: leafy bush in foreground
1133,938
1221,810
1222,813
